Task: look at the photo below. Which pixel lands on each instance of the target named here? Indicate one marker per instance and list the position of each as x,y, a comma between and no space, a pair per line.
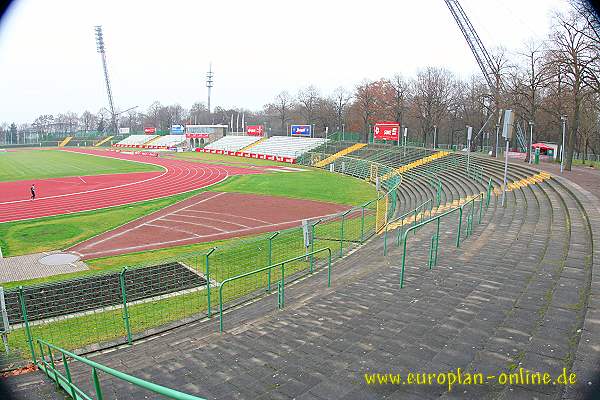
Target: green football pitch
40,164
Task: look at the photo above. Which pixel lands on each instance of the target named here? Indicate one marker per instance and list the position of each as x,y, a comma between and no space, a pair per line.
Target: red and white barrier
249,155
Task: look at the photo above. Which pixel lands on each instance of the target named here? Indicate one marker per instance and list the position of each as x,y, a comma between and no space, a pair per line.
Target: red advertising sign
254,130
197,135
150,130
386,130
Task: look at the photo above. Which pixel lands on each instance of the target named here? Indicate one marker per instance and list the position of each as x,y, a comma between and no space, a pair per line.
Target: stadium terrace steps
152,141
515,294
251,145
509,297
287,146
65,141
339,154
168,141
232,143
101,142
135,140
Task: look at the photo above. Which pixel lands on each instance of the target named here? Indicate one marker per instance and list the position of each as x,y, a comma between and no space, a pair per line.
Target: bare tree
307,102
432,97
340,98
281,107
527,84
400,95
575,54
366,104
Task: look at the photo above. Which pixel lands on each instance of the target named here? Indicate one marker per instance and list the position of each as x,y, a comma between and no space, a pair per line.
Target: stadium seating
287,146
135,140
232,143
168,141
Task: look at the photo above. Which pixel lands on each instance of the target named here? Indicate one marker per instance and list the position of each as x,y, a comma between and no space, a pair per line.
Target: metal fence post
342,236
362,225
282,285
385,241
124,298
460,214
68,373
329,269
207,276
26,321
270,259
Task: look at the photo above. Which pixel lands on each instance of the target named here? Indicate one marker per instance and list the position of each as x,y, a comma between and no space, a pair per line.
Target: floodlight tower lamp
100,49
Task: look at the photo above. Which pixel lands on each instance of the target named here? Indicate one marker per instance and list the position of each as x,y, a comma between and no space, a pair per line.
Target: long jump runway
206,217
85,193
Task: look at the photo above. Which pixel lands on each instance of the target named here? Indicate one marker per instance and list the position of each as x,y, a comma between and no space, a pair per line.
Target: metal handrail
268,268
66,382
437,218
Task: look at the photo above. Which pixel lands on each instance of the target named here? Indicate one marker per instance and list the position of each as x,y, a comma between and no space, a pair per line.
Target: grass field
59,232
41,164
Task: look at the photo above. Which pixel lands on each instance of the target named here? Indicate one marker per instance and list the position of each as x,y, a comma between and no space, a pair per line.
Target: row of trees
545,82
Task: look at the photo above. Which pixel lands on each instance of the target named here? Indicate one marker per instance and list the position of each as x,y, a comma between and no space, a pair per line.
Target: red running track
76,194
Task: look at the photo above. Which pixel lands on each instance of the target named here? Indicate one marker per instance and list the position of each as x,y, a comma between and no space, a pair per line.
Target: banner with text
302,130
254,130
386,130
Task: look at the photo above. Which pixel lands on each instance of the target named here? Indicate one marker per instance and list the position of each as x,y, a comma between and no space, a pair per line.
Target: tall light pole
434,135
101,50
563,119
530,142
469,134
209,83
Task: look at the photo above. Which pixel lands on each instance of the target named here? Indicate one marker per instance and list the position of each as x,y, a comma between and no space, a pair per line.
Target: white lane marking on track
195,223
133,248
230,215
82,180
210,168
89,191
152,220
210,219
203,225
170,228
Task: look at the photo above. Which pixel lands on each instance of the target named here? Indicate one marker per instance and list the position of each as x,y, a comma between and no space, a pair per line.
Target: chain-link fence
111,308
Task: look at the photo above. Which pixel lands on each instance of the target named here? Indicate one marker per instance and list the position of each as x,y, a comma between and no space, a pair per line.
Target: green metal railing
434,246
48,364
281,283
420,210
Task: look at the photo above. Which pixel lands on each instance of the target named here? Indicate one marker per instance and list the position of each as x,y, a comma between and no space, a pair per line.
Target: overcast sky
160,50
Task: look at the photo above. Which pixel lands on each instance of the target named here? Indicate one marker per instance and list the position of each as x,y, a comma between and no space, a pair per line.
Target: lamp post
434,135
563,119
405,139
530,142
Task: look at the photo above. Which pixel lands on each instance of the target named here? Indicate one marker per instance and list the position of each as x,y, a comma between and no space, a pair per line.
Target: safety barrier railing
434,246
280,284
48,364
419,211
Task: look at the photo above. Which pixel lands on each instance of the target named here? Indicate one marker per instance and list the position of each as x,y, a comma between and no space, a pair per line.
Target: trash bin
537,156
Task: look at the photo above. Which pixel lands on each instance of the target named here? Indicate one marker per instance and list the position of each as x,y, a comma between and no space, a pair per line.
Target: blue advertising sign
177,129
302,130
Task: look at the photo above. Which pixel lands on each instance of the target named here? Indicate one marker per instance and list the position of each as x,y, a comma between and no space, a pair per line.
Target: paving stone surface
25,267
521,292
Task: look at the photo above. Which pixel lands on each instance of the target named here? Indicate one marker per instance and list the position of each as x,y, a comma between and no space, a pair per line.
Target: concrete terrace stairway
515,294
65,141
339,154
101,142
251,145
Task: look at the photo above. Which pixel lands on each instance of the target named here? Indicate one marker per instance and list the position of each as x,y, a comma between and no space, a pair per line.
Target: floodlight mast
209,83
101,50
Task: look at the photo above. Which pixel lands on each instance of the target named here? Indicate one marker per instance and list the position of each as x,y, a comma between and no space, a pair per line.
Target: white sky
160,50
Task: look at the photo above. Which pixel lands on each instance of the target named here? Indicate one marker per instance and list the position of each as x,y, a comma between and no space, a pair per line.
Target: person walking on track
32,192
